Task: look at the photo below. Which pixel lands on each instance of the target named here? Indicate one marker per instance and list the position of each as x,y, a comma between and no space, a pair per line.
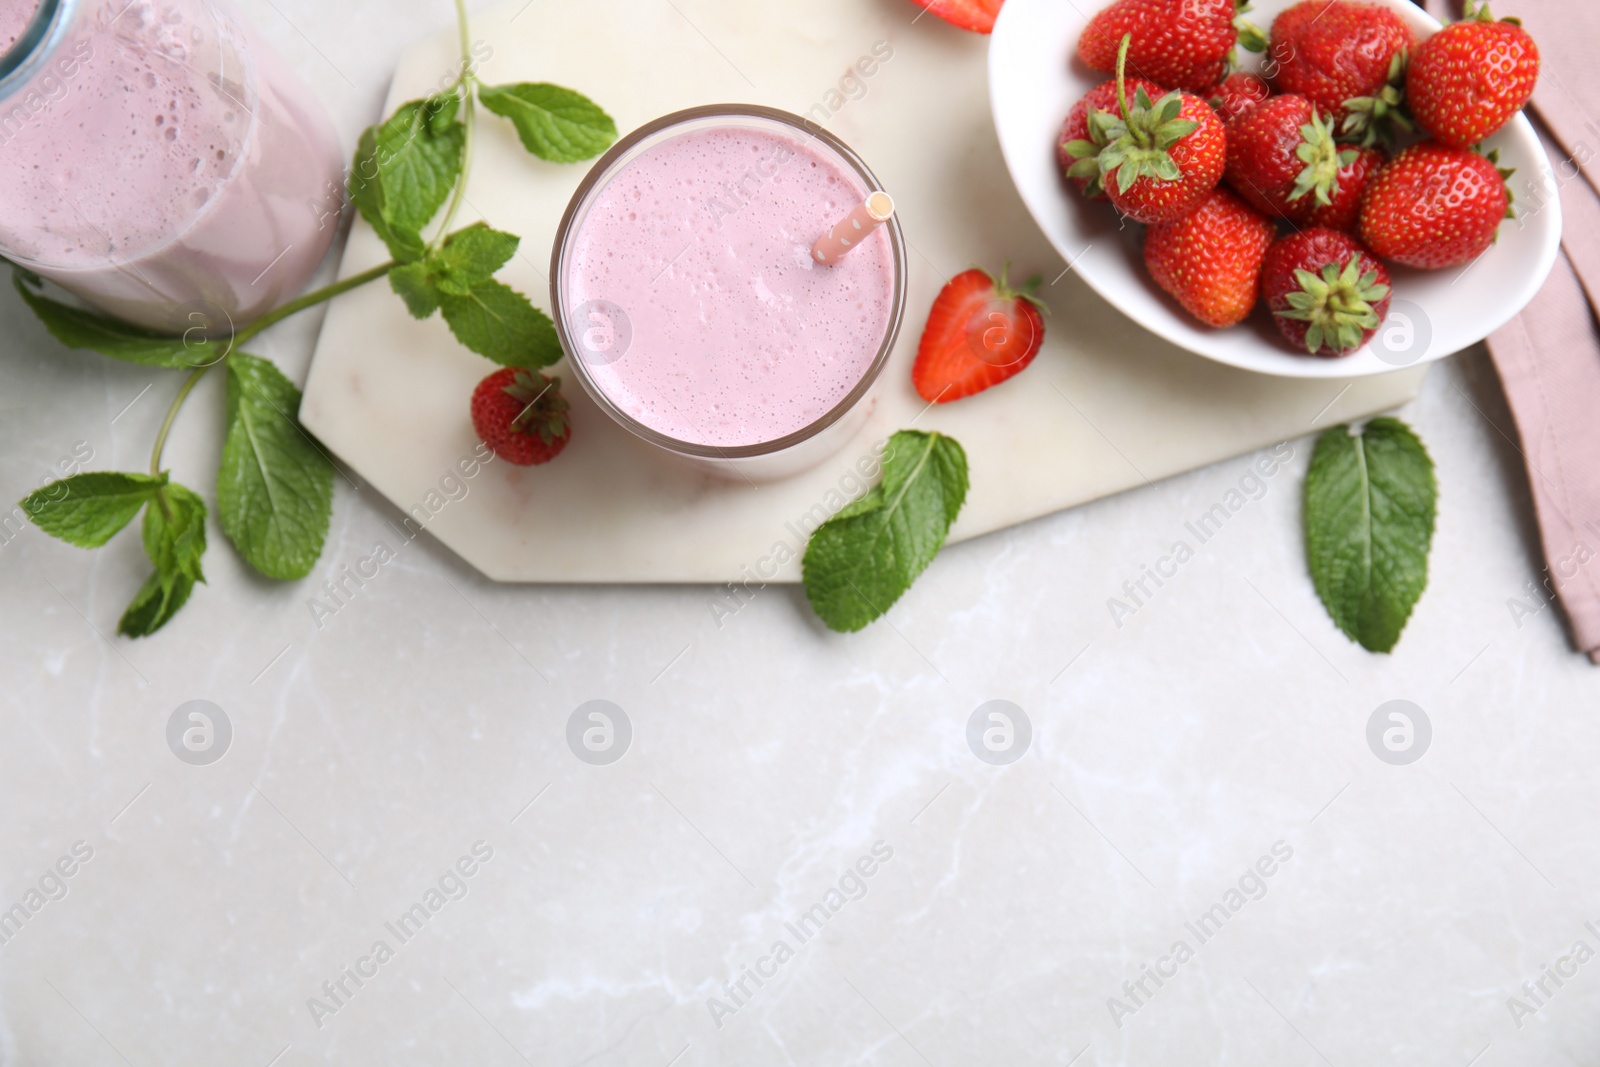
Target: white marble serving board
1106,407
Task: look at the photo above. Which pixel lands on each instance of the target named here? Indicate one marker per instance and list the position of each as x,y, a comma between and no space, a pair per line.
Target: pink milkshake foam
738,337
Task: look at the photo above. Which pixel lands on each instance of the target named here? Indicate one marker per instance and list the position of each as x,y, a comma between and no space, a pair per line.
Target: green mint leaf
175,534
77,328
419,155
405,245
443,113
89,509
154,605
415,285
175,540
275,488
452,285
495,320
862,560
468,260
556,124
404,171
1370,505
473,255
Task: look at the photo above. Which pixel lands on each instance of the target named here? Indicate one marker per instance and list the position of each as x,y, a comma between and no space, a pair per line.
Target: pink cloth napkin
1548,357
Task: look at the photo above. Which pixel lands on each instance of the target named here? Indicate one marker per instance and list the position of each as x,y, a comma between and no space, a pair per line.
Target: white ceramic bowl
1035,77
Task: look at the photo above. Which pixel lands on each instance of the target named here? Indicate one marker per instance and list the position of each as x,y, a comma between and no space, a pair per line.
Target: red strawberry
1344,213
1435,207
1238,93
1327,293
521,416
1471,78
1160,159
979,333
1283,159
1074,149
1186,44
1211,260
1348,58
975,15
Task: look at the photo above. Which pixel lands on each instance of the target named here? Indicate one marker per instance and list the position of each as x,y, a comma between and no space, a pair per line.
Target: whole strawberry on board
980,332
1185,44
1076,153
1160,158
1284,160
1349,59
521,416
1210,260
1343,211
1435,207
1472,77
1327,293
1236,94
975,15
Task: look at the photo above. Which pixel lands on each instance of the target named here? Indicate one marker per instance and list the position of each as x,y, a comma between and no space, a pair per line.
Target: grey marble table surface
1198,859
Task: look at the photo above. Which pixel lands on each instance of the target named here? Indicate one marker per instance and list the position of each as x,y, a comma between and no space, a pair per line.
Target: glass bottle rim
35,45
605,167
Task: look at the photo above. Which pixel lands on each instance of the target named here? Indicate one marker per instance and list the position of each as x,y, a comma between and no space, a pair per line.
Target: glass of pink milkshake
692,308
159,162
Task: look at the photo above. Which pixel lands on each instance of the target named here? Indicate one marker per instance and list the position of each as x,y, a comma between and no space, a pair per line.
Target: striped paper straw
853,228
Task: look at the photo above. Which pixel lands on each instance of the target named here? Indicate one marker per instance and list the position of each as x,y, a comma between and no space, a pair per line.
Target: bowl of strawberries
1305,188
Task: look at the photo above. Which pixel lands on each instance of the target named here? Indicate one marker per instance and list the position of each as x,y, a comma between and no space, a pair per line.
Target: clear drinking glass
622,289
159,162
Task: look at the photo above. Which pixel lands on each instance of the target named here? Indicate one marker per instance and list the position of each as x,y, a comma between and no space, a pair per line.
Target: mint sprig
91,508
1370,504
862,560
409,166
275,486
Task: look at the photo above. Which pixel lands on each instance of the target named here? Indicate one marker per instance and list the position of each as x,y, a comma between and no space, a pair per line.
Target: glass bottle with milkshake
159,162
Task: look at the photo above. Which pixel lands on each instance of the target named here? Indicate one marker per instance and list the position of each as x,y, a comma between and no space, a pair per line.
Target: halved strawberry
979,333
975,15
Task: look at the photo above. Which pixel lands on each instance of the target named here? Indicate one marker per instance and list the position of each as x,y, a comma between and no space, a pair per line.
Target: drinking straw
851,230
